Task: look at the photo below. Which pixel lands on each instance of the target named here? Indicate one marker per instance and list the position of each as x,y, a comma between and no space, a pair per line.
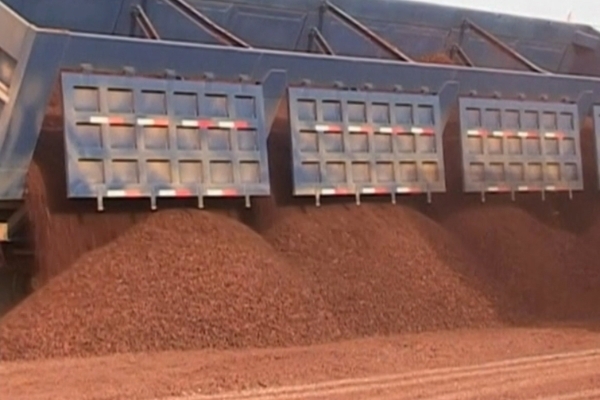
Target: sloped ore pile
178,280
527,261
382,269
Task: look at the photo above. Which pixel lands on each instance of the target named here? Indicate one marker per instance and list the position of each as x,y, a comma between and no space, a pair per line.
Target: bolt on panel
128,136
362,142
521,146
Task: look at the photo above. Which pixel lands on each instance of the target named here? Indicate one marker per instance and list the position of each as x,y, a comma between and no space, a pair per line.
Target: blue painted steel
163,138
361,142
41,53
520,146
416,28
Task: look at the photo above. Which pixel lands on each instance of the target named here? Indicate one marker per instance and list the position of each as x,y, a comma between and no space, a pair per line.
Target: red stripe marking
116,120
342,191
183,192
132,193
161,122
428,131
229,192
203,123
241,124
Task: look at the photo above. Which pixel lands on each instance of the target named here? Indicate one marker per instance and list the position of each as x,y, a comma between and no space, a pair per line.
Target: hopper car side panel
147,137
49,51
363,143
520,146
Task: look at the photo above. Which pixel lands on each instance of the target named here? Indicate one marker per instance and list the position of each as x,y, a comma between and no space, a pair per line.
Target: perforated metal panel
135,136
348,142
520,146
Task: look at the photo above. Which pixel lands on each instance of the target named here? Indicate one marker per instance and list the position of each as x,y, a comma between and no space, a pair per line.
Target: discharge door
128,136
520,146
365,143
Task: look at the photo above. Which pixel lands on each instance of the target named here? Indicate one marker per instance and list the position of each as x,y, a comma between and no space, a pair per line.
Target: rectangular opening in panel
185,104
120,101
247,140
383,142
307,110
122,137
152,102
551,146
333,142
477,172
384,172
566,122
86,99
431,173
427,144
191,171
534,172
533,146
568,146
475,145
308,142
403,114
215,106
188,138
495,145
156,138
381,113
359,142
7,67
511,119
245,107
159,172
491,119
515,145
92,171
88,136
332,111
425,115
530,120
473,116
125,172
549,122
357,111
571,173
408,171
361,172
250,172
335,172
516,172
496,172
309,172
221,172
406,143
553,172
219,139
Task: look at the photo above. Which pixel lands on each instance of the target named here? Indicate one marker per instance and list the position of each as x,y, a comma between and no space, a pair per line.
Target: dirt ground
494,363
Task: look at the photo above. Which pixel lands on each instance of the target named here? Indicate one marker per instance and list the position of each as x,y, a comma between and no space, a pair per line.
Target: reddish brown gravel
382,269
529,262
178,280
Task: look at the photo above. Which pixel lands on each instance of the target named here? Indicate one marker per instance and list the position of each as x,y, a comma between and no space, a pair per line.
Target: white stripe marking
523,188
369,190
402,190
189,123
550,187
498,133
167,192
145,121
226,124
473,132
99,120
327,191
321,128
214,192
355,128
522,134
417,131
386,129
116,193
